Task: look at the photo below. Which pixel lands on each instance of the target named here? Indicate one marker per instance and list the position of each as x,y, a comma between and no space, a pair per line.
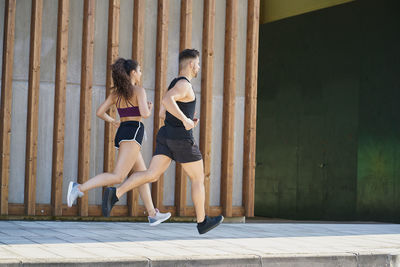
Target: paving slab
62,243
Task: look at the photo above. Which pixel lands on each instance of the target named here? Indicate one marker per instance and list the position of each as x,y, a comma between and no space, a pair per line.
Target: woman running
132,105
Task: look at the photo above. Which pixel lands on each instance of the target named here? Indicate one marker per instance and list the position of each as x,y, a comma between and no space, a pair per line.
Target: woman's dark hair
121,70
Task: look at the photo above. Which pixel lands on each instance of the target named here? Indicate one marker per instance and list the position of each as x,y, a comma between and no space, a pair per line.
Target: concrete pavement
60,243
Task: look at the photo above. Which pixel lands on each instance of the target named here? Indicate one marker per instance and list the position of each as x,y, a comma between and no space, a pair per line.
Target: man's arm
177,93
161,113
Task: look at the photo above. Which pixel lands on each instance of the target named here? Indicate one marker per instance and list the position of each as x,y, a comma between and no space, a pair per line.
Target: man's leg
155,216
158,165
144,190
195,171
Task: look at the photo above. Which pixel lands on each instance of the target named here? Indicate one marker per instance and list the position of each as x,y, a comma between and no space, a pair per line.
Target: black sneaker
209,223
109,199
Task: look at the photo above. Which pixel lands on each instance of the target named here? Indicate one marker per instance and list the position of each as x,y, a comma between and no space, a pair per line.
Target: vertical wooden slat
137,54
185,42
250,120
207,93
112,55
229,107
139,9
160,85
6,100
185,35
59,107
33,107
86,100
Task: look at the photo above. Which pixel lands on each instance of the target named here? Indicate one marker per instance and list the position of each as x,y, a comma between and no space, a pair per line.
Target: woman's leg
127,154
126,158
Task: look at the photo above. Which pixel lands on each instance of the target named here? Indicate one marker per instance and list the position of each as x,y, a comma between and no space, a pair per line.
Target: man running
174,141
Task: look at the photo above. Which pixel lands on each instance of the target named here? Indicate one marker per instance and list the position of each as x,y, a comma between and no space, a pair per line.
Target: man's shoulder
182,85
183,82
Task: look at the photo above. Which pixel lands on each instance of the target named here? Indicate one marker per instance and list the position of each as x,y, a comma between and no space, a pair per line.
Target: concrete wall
46,105
378,179
328,114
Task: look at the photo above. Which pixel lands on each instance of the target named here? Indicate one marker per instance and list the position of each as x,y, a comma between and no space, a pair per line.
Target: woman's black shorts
129,131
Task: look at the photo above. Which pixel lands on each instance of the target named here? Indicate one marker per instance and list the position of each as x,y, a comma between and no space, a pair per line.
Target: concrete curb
268,260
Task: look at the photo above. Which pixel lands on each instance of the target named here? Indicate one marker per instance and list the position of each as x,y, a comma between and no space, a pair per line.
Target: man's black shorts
180,150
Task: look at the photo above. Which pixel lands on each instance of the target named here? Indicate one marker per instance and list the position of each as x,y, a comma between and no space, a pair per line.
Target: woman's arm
104,107
144,105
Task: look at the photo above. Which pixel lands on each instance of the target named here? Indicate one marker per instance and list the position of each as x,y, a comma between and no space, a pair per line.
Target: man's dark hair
188,54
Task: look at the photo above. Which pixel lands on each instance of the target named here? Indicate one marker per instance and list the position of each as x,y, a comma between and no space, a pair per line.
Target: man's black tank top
174,128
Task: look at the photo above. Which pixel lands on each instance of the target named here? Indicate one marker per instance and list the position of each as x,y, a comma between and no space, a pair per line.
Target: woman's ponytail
121,70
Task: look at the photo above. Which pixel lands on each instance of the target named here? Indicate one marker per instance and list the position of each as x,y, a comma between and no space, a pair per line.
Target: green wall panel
328,123
379,137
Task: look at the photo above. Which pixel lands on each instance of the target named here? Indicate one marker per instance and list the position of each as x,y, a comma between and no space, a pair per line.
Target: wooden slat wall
137,54
160,86
33,107
6,100
185,42
118,210
229,107
57,208
86,100
207,93
59,107
112,55
250,120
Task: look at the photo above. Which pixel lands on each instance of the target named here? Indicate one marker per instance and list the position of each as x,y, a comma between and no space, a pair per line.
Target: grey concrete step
54,243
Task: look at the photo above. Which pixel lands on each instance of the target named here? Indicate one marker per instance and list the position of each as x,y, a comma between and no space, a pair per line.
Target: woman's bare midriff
136,118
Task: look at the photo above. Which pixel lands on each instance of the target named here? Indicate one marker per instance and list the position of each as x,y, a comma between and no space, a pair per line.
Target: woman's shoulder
138,91
138,88
113,95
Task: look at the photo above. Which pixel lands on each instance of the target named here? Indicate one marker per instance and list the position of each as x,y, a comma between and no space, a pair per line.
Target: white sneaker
159,218
73,193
